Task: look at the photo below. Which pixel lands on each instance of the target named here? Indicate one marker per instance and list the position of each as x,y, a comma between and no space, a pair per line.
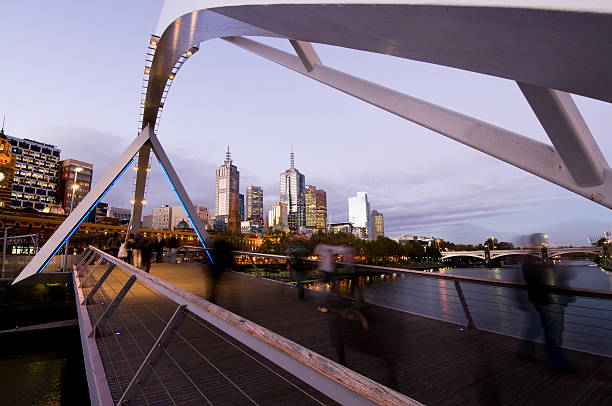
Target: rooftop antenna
228,156
3,120
292,158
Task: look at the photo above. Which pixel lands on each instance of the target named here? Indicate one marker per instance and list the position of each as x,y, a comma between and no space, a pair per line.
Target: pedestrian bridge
550,252
154,339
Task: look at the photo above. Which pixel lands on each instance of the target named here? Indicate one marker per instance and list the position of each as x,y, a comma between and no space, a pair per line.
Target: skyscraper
36,170
226,187
359,213
292,184
71,169
316,209
254,204
378,224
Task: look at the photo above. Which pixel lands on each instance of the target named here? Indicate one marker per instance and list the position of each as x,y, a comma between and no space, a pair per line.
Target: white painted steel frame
335,381
586,164
147,140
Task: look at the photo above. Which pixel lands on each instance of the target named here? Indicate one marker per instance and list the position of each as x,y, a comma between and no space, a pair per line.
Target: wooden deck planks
433,361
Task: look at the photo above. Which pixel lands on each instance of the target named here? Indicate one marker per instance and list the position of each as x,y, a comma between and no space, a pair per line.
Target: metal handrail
593,293
337,382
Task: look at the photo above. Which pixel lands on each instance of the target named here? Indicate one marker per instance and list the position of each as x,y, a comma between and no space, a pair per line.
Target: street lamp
74,187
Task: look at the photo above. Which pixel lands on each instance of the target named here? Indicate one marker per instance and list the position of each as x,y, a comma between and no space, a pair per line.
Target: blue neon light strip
186,212
85,216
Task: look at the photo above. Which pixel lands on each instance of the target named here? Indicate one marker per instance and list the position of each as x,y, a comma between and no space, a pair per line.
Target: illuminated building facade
316,209
36,173
7,170
227,184
292,193
277,215
162,218
378,224
71,169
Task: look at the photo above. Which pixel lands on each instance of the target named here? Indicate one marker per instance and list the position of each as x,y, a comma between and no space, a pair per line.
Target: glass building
36,174
359,213
226,187
292,193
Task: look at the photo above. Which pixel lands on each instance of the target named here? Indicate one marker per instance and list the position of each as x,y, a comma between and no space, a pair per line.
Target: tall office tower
277,215
162,218
254,204
226,186
359,213
7,170
316,209
241,206
378,224
71,170
36,171
292,193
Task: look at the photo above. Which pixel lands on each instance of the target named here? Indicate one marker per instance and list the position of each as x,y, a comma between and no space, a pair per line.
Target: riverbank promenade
430,361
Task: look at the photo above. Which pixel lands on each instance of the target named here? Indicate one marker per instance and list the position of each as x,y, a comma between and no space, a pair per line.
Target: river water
588,321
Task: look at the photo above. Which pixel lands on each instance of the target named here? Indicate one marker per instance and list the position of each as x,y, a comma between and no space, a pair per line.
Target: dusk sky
71,75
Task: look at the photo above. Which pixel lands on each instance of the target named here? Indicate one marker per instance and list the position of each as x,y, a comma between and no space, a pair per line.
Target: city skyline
438,187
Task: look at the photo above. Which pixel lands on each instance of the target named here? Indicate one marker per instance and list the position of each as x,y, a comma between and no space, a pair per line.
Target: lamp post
74,187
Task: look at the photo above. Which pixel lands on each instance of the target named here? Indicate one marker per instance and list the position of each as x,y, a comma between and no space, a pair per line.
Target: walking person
159,250
328,266
113,244
139,243
297,265
172,248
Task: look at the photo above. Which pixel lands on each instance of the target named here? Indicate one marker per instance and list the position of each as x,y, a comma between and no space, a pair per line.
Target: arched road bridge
550,252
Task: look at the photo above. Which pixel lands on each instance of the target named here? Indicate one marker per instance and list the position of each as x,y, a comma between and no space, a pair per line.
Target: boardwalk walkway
433,362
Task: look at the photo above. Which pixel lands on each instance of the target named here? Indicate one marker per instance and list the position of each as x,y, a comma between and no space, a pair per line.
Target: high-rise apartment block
71,170
277,215
36,171
378,224
359,213
7,170
254,204
162,218
226,187
292,193
316,209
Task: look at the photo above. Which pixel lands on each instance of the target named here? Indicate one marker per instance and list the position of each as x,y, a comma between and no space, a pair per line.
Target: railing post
113,305
98,284
85,258
466,310
147,365
82,257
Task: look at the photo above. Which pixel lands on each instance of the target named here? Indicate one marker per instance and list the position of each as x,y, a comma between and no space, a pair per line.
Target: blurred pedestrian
139,243
146,254
223,260
328,266
550,307
172,248
159,249
297,265
113,244
128,246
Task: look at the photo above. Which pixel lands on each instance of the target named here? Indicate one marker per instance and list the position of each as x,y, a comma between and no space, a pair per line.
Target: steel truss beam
592,180
145,141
